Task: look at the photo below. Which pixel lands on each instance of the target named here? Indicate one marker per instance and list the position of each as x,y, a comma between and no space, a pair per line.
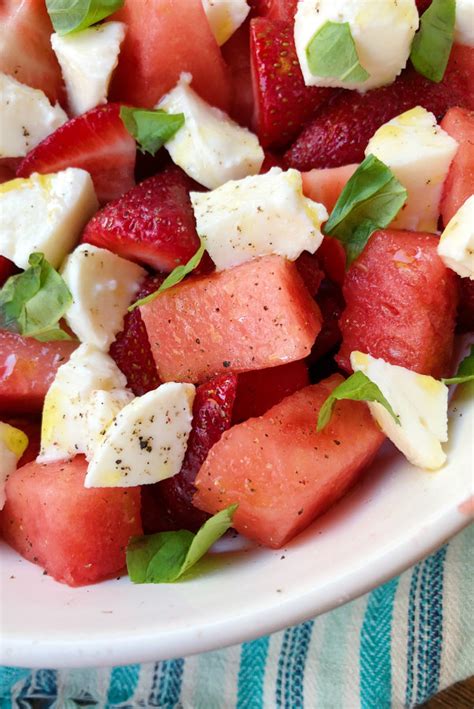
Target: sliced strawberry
283,104
168,504
275,9
339,133
258,391
131,348
152,224
97,142
236,53
7,269
25,48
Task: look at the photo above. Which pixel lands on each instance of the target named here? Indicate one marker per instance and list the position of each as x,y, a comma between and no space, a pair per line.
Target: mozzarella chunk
225,17
258,216
45,213
382,31
464,29
209,147
419,153
13,444
456,245
83,400
87,60
421,404
147,441
102,286
26,117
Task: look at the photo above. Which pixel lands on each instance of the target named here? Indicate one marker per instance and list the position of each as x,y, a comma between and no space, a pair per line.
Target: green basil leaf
465,372
370,200
74,15
175,277
151,129
33,302
357,387
432,43
166,556
332,53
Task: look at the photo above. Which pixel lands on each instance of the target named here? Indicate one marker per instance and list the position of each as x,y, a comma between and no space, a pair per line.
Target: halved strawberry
131,348
25,48
339,133
96,141
283,104
152,224
236,53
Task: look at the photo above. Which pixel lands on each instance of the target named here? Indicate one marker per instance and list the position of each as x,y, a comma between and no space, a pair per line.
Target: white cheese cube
456,245
464,30
87,60
258,216
13,443
45,213
225,17
102,286
83,400
147,441
419,153
382,31
209,147
421,404
26,117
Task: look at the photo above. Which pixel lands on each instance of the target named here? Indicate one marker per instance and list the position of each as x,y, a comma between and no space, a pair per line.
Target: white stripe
271,670
400,641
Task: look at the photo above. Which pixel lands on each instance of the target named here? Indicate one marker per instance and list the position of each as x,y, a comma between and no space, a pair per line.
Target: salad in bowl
236,251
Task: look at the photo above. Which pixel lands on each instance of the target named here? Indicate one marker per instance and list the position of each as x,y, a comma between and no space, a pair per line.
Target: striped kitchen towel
394,647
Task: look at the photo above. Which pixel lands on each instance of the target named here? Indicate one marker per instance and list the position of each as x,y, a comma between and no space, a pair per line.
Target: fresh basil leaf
357,387
151,129
166,556
332,53
432,43
370,200
33,302
465,372
175,277
74,15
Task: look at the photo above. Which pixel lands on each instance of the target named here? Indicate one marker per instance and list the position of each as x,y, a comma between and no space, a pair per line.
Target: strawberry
97,142
7,269
236,53
25,49
131,348
152,224
168,504
275,9
465,320
339,133
283,104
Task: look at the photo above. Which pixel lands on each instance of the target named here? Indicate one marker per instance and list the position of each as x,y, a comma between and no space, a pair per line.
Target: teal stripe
431,602
170,683
250,687
292,648
375,649
411,621
299,665
123,683
281,668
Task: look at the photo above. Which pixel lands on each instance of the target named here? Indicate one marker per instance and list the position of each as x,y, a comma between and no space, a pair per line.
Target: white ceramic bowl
394,517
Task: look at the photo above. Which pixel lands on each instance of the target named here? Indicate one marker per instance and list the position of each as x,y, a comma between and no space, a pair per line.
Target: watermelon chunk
27,369
326,184
254,316
165,38
400,304
280,471
459,185
77,534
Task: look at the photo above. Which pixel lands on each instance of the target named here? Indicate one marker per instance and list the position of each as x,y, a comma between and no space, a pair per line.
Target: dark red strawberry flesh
152,224
168,504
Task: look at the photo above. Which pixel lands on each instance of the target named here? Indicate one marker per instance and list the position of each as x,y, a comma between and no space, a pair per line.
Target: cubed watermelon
326,184
27,368
280,471
254,316
77,534
401,303
459,185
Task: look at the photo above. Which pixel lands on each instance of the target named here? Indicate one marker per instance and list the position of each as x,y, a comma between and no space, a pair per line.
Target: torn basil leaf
465,371
433,42
151,129
74,15
332,53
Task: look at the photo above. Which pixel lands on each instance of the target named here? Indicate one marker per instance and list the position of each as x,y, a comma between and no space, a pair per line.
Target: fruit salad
236,247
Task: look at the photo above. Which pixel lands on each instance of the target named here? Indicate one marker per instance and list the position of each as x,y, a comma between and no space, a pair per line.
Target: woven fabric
394,647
